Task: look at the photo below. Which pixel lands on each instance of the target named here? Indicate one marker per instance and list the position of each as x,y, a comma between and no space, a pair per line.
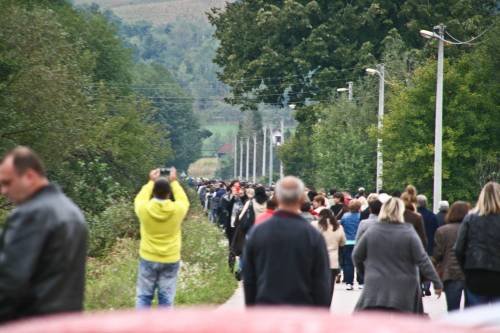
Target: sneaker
338,279
427,292
349,287
360,287
237,275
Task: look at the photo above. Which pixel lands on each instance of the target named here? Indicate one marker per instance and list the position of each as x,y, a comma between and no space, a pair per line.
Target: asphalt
344,301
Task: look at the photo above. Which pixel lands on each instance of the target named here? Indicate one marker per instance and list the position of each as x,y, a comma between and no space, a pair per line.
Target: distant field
158,12
222,128
204,167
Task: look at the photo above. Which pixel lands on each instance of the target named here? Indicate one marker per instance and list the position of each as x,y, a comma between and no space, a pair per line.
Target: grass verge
204,277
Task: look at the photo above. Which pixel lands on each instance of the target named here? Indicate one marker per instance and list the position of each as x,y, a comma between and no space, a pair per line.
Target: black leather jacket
478,243
42,257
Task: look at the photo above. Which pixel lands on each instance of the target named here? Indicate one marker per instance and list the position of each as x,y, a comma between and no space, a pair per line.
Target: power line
459,42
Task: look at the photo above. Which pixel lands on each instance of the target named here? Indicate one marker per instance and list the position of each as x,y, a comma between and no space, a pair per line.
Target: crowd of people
293,243
392,246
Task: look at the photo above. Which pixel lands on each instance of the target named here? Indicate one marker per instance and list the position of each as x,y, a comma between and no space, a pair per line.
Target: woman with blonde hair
478,248
391,257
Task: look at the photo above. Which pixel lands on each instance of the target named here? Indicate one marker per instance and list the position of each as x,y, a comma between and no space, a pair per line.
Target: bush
117,221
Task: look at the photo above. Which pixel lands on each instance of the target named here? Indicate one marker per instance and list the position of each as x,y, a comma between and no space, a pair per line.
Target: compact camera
164,172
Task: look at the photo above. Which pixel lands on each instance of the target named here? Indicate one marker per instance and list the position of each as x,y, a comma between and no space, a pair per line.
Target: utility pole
438,145
271,156
350,90
241,159
236,156
248,159
254,177
282,142
380,161
264,146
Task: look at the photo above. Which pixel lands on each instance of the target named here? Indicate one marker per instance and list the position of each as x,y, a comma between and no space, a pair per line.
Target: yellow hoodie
161,223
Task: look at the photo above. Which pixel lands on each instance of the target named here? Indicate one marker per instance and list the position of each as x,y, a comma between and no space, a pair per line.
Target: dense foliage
300,51
308,47
471,132
67,90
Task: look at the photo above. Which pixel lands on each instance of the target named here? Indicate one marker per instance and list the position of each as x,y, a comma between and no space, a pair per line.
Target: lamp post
380,71
271,139
264,146
236,156
241,159
254,176
438,136
282,129
348,89
247,175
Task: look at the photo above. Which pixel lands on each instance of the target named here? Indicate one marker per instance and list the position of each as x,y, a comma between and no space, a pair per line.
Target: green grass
204,277
222,128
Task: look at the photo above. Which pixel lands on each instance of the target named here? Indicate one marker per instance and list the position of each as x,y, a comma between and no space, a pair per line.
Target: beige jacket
334,240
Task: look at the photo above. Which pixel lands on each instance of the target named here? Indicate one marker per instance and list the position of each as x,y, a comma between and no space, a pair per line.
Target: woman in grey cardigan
391,255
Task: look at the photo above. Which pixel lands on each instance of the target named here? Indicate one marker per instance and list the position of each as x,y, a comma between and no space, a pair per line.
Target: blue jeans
453,290
348,266
474,299
155,276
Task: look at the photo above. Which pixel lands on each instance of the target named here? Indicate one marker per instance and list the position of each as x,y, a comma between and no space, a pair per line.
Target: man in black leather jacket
43,243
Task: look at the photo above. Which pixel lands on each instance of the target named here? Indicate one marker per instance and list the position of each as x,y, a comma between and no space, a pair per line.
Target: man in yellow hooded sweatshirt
161,206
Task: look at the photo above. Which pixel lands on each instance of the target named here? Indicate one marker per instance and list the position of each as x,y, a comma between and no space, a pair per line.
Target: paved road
344,301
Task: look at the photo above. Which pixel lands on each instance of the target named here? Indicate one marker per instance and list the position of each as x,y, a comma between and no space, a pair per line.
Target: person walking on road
478,248
286,260
374,206
160,248
391,257
430,225
350,222
413,218
444,256
334,236
43,246
444,206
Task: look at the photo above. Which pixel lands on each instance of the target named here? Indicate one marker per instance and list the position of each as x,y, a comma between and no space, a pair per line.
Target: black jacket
478,243
286,263
42,257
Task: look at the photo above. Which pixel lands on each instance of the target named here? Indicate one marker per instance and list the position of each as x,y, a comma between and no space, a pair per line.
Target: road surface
344,301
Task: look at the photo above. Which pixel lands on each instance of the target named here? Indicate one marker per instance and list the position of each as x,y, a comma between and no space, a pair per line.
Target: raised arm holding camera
160,249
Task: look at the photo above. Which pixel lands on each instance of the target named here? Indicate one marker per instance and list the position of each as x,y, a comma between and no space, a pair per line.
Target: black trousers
335,272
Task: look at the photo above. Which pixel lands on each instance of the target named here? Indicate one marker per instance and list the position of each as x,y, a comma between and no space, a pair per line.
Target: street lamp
349,89
438,137
380,71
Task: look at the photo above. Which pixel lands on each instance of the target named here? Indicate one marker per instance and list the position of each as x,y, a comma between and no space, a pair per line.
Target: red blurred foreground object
262,320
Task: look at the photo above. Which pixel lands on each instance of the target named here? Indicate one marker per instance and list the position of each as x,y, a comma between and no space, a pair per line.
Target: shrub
117,221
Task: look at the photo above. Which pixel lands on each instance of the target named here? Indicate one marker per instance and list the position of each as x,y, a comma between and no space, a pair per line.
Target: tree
471,131
273,50
175,112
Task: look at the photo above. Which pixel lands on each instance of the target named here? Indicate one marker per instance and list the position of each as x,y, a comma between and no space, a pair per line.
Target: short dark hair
375,206
25,159
261,195
339,195
161,189
305,207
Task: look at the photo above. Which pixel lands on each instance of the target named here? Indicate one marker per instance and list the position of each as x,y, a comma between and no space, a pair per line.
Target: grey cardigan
391,257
